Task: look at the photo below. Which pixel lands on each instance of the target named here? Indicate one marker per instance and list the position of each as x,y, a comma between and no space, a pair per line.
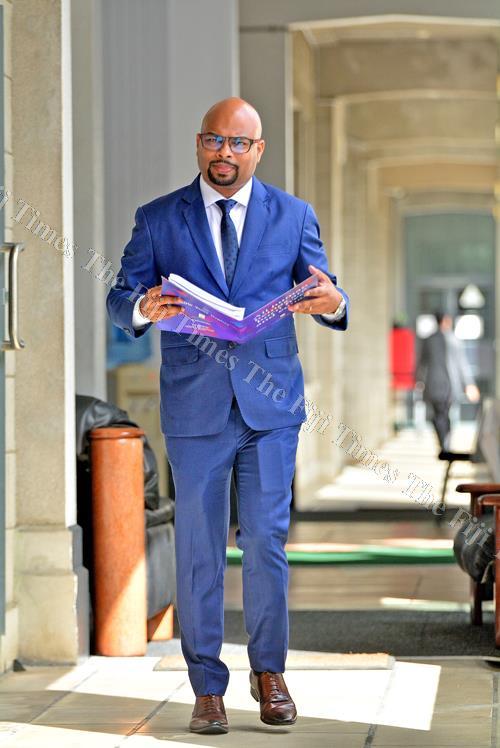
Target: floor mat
360,554
400,633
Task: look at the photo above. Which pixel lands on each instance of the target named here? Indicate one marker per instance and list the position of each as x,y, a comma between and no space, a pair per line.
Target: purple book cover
202,318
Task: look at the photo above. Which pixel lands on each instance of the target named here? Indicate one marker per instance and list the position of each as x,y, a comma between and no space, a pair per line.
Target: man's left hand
324,299
472,392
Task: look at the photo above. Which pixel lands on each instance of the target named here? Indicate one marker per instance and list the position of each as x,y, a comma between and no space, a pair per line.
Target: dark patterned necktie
229,239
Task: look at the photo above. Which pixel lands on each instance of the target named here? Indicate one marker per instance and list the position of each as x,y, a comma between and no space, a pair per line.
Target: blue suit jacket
199,375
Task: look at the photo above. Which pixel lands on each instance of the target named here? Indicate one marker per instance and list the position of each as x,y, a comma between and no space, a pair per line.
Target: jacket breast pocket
286,346
179,355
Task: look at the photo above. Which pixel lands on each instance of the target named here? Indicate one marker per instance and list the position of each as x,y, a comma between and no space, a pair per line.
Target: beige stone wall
43,579
383,108
365,375
346,375
387,123
9,642
308,468
354,67
321,350
395,120
330,344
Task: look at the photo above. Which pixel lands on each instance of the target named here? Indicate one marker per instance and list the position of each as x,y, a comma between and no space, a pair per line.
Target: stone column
51,584
497,280
164,65
266,55
9,639
88,196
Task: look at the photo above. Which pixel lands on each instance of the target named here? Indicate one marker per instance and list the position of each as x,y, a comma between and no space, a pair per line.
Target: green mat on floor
369,554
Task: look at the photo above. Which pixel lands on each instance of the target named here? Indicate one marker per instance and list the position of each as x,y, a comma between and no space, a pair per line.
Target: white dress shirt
214,216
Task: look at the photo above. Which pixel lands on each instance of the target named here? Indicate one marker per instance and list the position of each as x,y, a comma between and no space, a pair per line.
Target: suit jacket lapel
256,221
196,218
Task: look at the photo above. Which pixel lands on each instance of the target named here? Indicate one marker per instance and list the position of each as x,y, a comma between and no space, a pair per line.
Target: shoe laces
209,699
274,686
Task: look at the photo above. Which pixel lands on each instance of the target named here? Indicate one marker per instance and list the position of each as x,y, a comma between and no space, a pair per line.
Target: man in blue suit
227,407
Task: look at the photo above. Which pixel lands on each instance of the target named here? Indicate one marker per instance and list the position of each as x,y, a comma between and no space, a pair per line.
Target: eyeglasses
238,144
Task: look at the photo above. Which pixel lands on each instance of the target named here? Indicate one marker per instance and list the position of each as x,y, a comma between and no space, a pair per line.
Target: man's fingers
171,299
314,294
317,292
154,291
167,299
321,275
164,312
302,306
171,311
157,307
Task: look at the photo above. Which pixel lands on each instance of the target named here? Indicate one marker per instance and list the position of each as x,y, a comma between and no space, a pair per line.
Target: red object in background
402,352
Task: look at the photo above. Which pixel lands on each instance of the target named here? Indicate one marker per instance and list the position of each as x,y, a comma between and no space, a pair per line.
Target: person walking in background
245,242
444,374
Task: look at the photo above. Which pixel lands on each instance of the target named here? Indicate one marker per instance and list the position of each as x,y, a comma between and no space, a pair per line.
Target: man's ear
260,149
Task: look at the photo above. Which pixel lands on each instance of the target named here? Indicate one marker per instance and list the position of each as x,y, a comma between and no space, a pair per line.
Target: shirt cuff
337,314
138,319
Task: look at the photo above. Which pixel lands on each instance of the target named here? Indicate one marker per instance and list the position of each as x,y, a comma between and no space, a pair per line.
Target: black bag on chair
478,561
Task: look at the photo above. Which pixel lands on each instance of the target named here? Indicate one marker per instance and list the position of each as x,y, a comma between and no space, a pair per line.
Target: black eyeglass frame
229,138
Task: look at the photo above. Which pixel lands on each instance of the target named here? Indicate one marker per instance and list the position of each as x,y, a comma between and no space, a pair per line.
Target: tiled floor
356,488
411,457
122,702
361,587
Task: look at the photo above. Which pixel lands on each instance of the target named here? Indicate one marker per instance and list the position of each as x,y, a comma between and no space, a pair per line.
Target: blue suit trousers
263,463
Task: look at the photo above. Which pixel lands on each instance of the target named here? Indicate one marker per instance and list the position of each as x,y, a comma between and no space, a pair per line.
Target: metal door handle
14,342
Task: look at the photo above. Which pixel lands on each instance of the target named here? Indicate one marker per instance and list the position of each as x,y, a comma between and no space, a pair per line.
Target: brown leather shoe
276,705
209,715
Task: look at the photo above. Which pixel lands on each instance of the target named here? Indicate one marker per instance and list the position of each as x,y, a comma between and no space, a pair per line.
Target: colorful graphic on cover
202,318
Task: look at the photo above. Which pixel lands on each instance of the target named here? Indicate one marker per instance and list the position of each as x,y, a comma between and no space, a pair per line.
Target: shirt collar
210,196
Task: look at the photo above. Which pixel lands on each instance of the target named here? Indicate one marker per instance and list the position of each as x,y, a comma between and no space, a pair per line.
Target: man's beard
223,181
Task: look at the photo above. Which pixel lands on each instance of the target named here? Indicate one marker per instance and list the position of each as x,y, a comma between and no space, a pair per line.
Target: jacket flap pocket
286,346
180,354
173,339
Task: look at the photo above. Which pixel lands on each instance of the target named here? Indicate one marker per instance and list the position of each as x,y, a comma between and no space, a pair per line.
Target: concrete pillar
497,282
202,68
164,64
88,196
50,582
266,72
9,640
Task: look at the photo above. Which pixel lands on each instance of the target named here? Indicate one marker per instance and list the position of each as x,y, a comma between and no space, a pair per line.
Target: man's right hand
155,307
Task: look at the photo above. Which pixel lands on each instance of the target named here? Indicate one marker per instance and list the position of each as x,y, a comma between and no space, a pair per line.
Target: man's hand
472,393
324,299
155,307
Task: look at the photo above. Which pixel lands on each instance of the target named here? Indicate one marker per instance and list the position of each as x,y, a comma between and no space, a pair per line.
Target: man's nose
225,150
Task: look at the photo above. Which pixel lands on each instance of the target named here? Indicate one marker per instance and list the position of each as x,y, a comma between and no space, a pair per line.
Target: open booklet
206,314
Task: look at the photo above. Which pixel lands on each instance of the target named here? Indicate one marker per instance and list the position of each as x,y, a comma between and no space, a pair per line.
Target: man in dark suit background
444,374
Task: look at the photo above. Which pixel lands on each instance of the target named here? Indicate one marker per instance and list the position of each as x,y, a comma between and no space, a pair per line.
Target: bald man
227,407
